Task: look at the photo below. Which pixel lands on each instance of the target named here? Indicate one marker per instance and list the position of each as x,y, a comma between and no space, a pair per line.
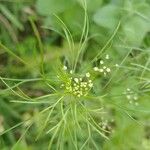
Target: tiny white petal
108,70
116,65
88,75
104,67
101,62
107,56
71,71
128,89
64,67
128,97
78,95
91,85
90,81
95,68
76,80
101,70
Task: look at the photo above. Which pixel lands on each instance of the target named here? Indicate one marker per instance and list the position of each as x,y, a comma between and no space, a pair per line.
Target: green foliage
11,17
107,16
75,74
47,7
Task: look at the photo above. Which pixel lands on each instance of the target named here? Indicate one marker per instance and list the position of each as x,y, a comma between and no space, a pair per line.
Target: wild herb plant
85,97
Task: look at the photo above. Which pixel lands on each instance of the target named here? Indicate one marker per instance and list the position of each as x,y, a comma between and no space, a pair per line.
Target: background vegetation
31,30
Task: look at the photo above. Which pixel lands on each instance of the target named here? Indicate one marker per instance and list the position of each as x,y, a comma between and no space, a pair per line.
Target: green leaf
137,23
107,16
135,29
47,7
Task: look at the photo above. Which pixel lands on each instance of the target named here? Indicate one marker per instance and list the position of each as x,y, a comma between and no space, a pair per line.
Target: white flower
71,71
128,89
101,70
108,70
107,56
116,65
101,62
90,84
88,75
64,67
90,81
76,80
128,97
75,84
95,68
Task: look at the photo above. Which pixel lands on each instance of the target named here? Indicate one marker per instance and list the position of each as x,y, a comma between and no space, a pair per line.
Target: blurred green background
131,43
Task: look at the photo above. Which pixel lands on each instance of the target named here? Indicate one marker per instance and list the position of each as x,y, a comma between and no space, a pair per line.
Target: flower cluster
103,69
131,96
107,125
78,86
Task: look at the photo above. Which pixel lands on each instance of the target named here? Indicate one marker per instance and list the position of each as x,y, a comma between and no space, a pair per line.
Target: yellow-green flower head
78,86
